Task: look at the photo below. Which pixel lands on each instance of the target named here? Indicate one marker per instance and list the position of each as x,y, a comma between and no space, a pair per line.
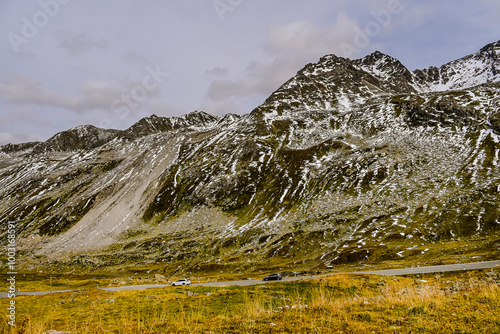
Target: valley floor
464,302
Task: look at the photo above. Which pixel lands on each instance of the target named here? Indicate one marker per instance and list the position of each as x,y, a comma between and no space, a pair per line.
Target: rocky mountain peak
335,82
199,119
83,137
380,60
390,71
491,50
375,57
154,124
330,62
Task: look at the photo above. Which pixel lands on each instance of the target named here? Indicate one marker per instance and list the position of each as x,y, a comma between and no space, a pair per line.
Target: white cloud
289,47
305,40
22,114
226,88
95,94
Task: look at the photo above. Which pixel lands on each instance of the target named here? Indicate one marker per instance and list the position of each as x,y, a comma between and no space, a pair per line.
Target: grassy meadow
464,302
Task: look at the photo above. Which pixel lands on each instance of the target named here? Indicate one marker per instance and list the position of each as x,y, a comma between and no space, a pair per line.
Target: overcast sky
109,63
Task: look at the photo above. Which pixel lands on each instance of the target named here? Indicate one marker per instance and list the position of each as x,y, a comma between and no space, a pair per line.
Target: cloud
305,40
28,118
20,89
218,71
95,94
222,89
289,47
134,58
78,44
8,137
226,106
92,94
19,137
161,108
260,78
16,88
24,114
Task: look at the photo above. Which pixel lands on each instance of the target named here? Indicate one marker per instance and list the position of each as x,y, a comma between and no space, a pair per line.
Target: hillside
350,161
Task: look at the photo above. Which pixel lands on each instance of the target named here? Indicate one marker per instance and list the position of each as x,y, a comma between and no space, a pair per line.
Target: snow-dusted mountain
349,161
481,67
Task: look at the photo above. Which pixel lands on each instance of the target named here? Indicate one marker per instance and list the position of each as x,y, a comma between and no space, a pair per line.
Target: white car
182,281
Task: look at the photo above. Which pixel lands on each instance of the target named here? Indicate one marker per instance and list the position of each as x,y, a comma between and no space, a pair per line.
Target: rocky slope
349,161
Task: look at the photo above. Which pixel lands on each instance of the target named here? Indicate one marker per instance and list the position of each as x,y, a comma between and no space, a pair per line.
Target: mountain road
388,272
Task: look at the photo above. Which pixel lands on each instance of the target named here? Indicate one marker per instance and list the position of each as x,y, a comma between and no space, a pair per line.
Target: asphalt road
433,269
388,272
215,284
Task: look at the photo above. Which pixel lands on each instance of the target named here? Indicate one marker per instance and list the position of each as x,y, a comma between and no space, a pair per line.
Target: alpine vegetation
349,161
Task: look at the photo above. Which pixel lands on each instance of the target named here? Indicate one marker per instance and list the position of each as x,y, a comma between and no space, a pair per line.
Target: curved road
389,272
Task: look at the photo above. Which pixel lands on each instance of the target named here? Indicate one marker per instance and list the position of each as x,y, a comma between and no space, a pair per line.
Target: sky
110,63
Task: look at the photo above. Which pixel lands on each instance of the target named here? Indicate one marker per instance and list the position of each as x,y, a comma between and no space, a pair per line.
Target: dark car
274,276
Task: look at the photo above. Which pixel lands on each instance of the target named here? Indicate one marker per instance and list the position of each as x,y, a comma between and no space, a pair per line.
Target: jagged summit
82,137
12,148
390,71
376,57
199,119
491,50
380,63
153,124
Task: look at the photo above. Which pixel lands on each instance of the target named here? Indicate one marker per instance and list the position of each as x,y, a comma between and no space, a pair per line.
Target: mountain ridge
349,161
412,82
481,66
